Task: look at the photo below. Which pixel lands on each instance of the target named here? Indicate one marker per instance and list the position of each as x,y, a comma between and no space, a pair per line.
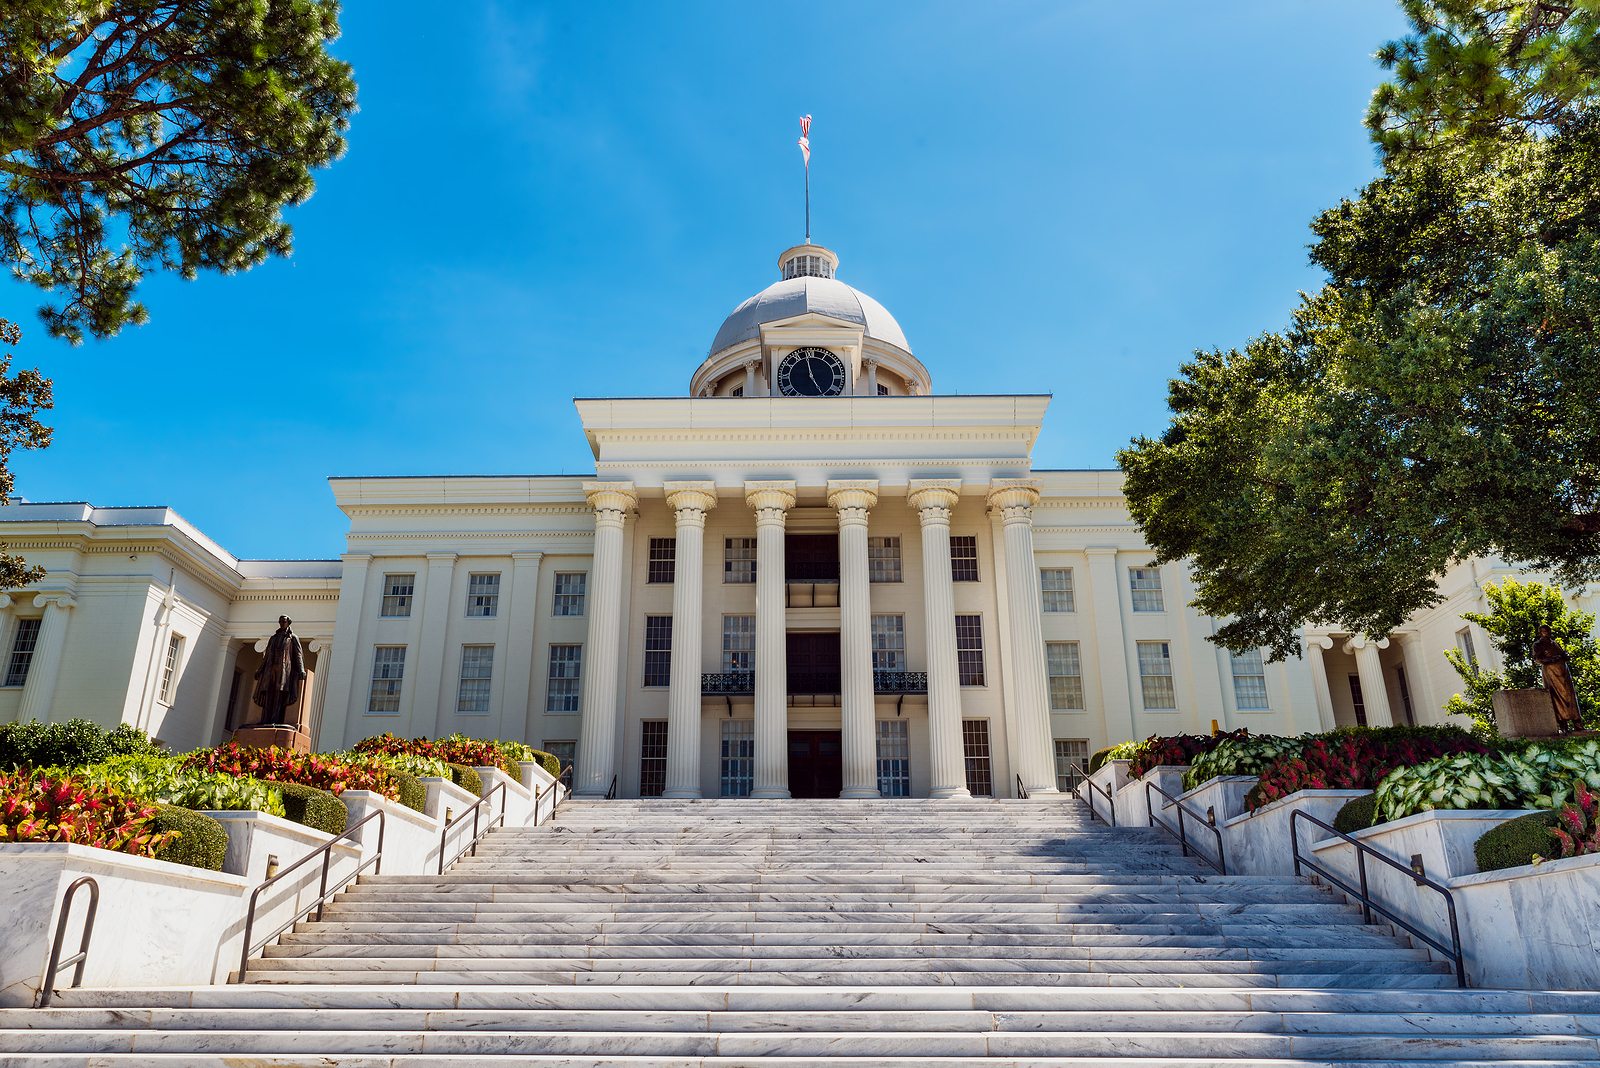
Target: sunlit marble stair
890,933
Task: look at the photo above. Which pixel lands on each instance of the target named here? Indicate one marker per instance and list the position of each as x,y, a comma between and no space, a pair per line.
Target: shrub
157,779
1120,751
1175,750
199,841
456,749
45,806
1358,814
317,809
548,761
324,772
127,740
413,794
1514,843
412,763
1577,828
1543,775
1246,755
1356,759
466,778
72,744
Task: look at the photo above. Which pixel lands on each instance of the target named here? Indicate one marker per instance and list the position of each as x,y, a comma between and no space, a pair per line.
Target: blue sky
543,201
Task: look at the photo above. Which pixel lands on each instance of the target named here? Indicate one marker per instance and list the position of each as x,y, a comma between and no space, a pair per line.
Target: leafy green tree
140,134
1439,397
23,396
1516,612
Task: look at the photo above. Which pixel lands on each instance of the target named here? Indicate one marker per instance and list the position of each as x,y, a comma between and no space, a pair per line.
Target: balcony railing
811,571
743,683
728,683
900,682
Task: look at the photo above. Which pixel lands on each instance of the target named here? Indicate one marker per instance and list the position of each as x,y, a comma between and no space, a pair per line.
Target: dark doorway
814,663
811,557
816,767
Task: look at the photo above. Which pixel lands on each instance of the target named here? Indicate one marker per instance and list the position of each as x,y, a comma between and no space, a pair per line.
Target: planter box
1258,843
1223,795
444,794
1110,777
549,791
1133,809
410,838
1536,927
254,836
518,799
158,924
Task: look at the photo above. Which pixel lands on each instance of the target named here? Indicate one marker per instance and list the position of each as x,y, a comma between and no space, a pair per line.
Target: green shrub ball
1358,814
1516,842
201,841
317,809
413,794
467,778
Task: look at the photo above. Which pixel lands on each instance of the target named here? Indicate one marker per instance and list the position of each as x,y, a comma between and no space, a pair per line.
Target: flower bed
1178,750
1349,759
43,806
322,772
459,749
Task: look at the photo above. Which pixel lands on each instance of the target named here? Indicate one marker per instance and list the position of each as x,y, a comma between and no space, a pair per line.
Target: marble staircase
881,933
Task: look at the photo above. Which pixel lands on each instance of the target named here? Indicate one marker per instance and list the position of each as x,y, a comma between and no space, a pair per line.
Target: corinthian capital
1014,498
611,501
690,501
853,499
933,498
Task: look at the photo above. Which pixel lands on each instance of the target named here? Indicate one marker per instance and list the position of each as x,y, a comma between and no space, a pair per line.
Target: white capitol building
812,575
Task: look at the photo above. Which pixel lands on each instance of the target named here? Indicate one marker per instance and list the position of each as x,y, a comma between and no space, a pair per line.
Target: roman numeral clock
811,372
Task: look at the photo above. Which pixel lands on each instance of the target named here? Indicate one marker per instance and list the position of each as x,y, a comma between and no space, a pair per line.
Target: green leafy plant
1524,840
1357,814
456,749
1542,775
466,778
317,809
1120,751
72,744
283,766
166,780
1577,826
1241,755
1175,750
43,806
1355,759
198,840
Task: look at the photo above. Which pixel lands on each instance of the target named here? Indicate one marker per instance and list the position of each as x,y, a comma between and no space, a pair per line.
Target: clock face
811,372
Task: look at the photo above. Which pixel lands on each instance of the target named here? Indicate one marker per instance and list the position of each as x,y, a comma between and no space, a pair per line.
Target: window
1070,751
964,558
169,668
975,748
1155,675
397,593
1356,703
738,643
653,758
1405,697
738,770
883,559
888,643
663,559
894,758
563,687
1065,668
571,588
969,650
22,647
477,671
1055,583
483,595
1250,681
563,749
738,391
739,560
883,390
658,650
1464,643
388,673
1145,584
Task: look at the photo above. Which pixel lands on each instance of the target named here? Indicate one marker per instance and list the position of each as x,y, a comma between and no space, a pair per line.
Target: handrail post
79,959
1294,841
1183,836
1366,897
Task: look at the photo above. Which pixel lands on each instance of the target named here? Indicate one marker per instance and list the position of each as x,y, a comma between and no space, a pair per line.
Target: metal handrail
611,794
1368,902
477,835
1111,803
1207,820
325,850
565,778
53,968
1022,791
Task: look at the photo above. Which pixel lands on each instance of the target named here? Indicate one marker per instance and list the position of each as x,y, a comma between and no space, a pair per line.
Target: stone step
884,899
381,945
1285,913
298,1060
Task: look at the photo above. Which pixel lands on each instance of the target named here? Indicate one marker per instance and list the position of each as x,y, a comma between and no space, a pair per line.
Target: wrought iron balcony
728,683
900,682
743,683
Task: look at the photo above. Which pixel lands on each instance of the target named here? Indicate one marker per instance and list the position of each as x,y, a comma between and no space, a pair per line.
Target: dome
808,285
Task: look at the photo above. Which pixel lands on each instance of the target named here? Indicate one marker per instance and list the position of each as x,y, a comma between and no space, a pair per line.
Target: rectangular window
1464,643
169,668
969,650
564,685
1405,697
964,558
563,749
22,647
1356,703
663,560
388,674
1145,585
397,593
571,588
738,643
738,770
738,391
658,650
1069,752
653,758
477,672
739,560
975,748
1055,584
1250,681
883,391
894,758
1065,668
1155,675
883,559
888,643
483,595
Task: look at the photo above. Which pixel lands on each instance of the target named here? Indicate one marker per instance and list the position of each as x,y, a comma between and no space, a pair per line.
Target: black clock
811,372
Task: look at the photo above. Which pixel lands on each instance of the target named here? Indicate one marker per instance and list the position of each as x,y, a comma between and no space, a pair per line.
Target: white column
335,733
858,713
435,703
1111,644
872,376
751,367
771,500
212,731
1369,666
516,718
1315,644
1014,499
689,501
933,498
597,737
1423,708
40,690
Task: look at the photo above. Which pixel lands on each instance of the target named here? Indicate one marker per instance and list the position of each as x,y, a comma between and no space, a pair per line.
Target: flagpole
808,203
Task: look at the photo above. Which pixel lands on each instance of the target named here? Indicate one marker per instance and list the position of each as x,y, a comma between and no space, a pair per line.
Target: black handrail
1368,902
611,794
53,968
1207,820
325,850
565,778
1088,799
477,835
1022,791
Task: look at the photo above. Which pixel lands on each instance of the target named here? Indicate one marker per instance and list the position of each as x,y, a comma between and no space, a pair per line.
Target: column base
770,793
960,793
1042,791
681,795
859,793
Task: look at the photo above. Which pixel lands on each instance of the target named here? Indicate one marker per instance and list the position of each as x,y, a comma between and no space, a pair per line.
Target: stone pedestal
1525,713
262,736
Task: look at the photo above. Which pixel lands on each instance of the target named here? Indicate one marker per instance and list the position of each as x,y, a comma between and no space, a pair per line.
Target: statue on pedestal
1549,655
279,678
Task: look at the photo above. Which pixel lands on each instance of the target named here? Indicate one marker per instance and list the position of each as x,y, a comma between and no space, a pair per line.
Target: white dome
797,296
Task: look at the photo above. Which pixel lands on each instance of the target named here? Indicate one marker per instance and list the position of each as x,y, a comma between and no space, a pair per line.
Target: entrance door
816,763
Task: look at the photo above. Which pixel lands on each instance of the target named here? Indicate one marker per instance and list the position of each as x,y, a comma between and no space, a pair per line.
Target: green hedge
201,841
317,809
73,744
467,778
1358,814
1516,842
413,794
1120,751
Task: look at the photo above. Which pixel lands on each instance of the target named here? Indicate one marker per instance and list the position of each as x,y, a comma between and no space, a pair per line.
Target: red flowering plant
1176,750
456,749
1356,759
282,765
1577,826
51,806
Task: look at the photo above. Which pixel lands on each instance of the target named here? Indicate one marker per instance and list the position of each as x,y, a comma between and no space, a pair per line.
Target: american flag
805,140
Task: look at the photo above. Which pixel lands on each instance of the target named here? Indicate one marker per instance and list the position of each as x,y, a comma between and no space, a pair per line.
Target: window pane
975,748
1066,675
571,587
1055,585
658,650
1145,583
22,647
653,758
883,559
888,643
169,668
477,672
738,769
1155,675
1250,681
739,560
397,593
663,559
388,675
894,758
483,595
563,688
1070,751
563,749
738,643
964,558
969,650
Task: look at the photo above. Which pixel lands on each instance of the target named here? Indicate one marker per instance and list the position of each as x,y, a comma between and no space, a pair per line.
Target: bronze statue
278,679
1547,653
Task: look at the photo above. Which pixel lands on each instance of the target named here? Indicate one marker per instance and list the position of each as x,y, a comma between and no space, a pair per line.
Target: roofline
920,397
